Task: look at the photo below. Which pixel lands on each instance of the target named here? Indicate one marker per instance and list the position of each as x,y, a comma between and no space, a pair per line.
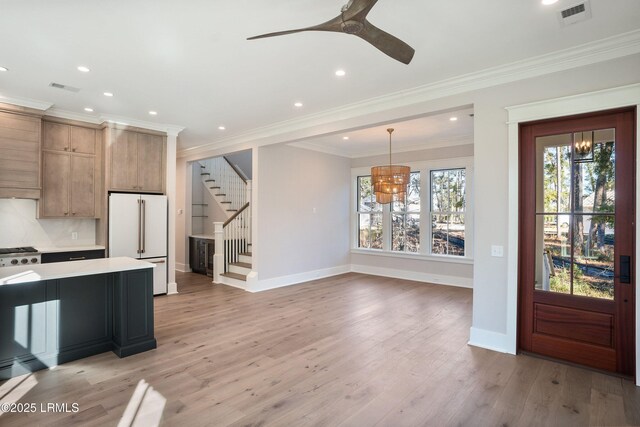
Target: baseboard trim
295,279
490,340
172,288
418,276
183,268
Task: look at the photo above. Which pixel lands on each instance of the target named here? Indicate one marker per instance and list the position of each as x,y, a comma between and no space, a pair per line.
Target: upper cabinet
137,161
20,159
70,171
64,137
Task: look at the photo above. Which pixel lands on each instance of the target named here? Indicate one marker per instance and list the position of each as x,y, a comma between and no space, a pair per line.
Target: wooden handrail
235,169
246,205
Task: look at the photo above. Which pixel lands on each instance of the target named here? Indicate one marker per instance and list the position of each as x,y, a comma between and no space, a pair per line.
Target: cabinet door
83,140
82,186
124,161
55,184
20,156
150,163
56,137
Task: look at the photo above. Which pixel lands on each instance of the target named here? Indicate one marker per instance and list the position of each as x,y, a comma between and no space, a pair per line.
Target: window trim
425,168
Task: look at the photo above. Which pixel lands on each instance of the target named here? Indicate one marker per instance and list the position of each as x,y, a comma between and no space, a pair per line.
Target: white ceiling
190,62
432,131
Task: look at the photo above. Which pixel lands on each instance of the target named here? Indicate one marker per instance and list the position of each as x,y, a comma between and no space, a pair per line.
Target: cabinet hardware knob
73,149
73,213
66,148
66,213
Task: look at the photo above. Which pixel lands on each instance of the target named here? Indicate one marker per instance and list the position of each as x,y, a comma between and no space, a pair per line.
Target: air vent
576,13
573,11
64,87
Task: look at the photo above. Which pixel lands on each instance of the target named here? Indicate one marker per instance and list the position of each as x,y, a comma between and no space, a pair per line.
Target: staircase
232,192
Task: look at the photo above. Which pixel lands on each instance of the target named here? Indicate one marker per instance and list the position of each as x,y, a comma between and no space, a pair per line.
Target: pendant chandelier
390,182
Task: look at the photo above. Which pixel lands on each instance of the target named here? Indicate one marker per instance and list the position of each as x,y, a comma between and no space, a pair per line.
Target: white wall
19,227
293,238
183,224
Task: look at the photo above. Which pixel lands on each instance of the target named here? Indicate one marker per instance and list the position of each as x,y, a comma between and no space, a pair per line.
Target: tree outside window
448,212
405,219
369,216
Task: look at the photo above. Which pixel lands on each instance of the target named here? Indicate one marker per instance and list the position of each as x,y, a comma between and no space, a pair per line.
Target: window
369,216
434,221
447,214
405,219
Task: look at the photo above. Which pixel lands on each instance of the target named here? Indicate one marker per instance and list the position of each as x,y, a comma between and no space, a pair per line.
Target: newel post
218,255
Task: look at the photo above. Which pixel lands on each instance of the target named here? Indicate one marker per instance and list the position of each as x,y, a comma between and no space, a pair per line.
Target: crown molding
26,102
172,130
306,145
431,145
586,54
71,115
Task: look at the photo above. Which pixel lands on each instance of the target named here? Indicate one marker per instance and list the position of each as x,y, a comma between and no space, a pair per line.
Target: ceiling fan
353,20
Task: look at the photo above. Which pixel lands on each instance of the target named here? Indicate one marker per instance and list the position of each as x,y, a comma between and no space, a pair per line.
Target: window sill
421,257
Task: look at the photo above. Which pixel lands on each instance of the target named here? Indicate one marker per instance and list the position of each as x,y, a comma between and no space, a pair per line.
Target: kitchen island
55,313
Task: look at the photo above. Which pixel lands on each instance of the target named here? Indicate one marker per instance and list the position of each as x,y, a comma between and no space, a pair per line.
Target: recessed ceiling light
83,69
341,73
346,138
109,94
88,109
221,128
298,104
548,2
153,113
453,119
4,69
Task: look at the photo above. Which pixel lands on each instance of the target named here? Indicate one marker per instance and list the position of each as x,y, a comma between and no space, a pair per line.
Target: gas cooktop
21,250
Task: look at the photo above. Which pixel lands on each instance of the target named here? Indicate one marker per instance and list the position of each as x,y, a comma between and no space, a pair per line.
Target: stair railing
236,235
231,182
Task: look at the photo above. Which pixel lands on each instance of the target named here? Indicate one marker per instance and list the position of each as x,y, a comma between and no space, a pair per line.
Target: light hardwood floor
352,350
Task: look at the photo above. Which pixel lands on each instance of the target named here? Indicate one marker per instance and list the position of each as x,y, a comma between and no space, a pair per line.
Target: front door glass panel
575,213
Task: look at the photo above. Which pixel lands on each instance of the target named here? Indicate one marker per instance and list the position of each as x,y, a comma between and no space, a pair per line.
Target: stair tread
235,276
209,180
221,194
232,210
246,254
226,202
241,264
202,166
213,188
205,173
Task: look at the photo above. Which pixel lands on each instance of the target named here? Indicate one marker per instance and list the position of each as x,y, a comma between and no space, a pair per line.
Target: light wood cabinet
69,171
20,158
64,137
137,162
68,185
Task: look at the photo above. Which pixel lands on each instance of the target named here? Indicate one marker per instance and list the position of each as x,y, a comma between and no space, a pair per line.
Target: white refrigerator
138,229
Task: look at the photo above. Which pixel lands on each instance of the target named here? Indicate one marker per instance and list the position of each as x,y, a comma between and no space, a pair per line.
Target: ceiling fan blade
385,42
332,25
359,9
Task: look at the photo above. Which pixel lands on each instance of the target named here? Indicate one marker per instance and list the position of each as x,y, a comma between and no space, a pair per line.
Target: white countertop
51,249
60,270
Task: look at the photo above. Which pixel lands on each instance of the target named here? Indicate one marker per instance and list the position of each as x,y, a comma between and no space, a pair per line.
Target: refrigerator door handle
139,225
144,225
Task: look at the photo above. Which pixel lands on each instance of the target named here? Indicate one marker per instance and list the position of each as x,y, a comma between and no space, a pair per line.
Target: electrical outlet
497,251
74,235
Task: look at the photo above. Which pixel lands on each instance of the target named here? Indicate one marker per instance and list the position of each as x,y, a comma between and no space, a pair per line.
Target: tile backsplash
20,227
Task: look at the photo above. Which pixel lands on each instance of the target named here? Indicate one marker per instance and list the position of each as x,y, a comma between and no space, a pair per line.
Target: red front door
577,233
